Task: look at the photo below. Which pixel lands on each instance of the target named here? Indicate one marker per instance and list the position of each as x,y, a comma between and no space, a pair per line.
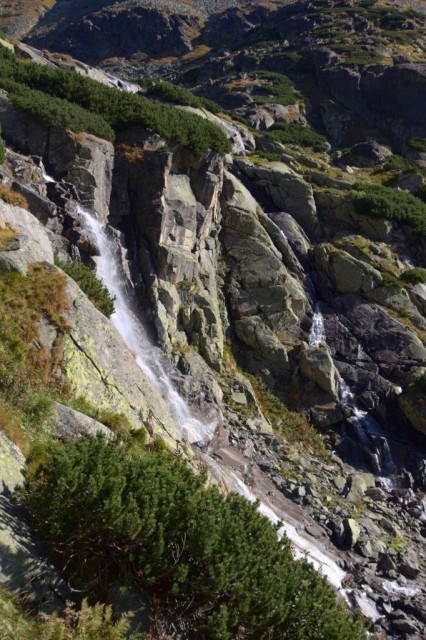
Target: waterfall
317,334
368,439
125,320
44,174
75,253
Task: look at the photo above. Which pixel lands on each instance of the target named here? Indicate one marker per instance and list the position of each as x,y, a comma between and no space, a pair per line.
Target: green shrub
118,109
178,95
297,134
281,90
90,284
398,163
417,275
212,562
391,281
56,112
384,202
355,54
418,143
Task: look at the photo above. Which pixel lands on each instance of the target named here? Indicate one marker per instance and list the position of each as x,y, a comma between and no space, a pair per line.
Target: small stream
366,442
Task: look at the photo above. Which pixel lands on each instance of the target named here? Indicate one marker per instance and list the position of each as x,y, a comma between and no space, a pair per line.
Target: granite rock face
173,210
83,160
266,300
30,242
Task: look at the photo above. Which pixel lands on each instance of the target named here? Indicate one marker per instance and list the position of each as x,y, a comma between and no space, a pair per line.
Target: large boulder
336,271
286,191
29,242
367,154
316,364
267,303
68,424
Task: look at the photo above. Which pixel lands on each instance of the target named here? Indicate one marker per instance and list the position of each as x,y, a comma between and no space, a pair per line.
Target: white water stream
368,431
302,546
44,173
317,334
109,270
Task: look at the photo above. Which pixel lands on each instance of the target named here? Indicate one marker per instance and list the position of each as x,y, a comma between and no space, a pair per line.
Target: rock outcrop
83,160
266,301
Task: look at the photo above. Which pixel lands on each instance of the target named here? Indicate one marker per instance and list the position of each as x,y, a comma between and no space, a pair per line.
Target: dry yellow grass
12,197
6,237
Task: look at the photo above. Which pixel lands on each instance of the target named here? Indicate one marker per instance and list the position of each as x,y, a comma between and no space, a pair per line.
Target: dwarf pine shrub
211,562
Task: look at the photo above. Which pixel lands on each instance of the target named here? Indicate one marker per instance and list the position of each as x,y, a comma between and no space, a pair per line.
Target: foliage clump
297,134
89,103
211,562
416,275
89,623
90,284
400,164
418,143
179,95
280,89
384,202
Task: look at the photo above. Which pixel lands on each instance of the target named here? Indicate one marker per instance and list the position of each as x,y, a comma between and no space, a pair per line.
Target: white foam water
109,270
302,547
317,334
44,173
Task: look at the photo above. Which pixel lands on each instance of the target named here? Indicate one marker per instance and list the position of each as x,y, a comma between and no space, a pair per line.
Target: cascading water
109,270
368,439
44,173
302,547
317,334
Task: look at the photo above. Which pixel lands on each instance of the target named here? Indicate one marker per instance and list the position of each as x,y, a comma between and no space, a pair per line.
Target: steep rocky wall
81,159
171,215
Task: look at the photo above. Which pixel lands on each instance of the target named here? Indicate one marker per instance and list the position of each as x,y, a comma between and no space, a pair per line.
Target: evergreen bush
417,275
385,202
297,134
212,562
90,284
117,109
179,95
